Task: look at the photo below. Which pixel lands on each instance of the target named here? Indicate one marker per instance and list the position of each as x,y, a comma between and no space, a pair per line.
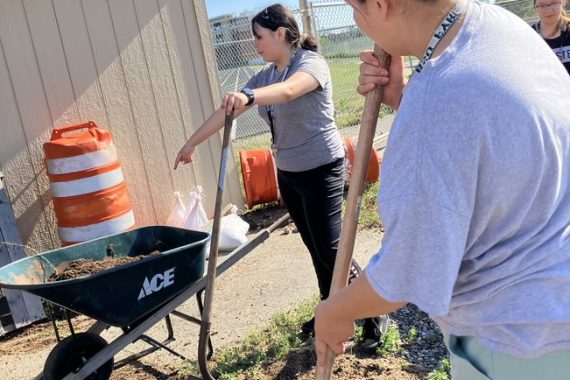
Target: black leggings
314,201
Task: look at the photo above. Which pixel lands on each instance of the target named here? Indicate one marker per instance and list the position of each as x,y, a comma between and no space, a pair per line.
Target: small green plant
443,372
412,335
390,343
357,332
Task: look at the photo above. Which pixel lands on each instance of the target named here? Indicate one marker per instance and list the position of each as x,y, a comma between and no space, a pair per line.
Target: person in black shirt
554,27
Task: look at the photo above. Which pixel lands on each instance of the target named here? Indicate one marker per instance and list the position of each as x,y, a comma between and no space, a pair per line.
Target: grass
260,348
348,104
369,218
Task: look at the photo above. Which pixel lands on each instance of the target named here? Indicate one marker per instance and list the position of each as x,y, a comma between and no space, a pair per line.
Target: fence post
306,18
23,307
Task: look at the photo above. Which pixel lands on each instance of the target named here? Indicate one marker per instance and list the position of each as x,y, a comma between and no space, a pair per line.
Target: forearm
299,84
278,93
359,301
210,126
213,124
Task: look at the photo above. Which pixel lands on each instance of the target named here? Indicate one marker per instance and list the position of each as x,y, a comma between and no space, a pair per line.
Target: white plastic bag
196,218
178,214
233,230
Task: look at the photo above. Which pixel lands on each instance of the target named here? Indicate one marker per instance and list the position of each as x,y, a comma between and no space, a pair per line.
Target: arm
299,84
210,126
334,318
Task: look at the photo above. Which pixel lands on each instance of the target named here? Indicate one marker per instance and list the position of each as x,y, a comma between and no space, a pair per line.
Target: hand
185,154
235,101
330,331
372,75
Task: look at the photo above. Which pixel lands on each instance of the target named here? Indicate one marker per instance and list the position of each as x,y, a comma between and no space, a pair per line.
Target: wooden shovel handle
350,221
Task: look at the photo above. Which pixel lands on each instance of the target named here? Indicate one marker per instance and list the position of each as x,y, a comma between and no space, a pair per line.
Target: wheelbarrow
122,296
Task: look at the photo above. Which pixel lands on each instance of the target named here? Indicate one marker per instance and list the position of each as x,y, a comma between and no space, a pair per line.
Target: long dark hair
276,16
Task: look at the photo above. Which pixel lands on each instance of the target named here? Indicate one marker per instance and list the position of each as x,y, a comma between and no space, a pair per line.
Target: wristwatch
250,96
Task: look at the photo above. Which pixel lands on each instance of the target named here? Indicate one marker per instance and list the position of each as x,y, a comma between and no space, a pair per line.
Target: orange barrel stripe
83,210
90,196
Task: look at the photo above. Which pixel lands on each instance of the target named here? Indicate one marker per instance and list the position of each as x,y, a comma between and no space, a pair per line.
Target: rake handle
350,222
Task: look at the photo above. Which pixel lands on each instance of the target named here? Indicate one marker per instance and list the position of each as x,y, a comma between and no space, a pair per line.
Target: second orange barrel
259,172
374,161
259,176
90,195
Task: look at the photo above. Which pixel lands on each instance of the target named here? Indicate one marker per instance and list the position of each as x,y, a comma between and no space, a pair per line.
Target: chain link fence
340,42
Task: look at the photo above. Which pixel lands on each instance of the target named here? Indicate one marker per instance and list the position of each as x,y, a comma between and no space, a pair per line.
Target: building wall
143,69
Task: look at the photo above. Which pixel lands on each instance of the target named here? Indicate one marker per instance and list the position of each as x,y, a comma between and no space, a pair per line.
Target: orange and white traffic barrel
89,192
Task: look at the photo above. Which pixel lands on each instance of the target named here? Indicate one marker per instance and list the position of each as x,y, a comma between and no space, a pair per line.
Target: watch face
249,93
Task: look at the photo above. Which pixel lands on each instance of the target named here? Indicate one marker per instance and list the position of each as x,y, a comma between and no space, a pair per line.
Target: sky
220,7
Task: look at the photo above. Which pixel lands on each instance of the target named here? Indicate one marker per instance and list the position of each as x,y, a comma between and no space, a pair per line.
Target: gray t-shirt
305,134
475,190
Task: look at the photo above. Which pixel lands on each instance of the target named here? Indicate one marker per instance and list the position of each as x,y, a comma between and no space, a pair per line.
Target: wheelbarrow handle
350,221
213,257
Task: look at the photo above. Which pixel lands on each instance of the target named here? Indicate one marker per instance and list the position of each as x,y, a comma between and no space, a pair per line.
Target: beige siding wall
143,69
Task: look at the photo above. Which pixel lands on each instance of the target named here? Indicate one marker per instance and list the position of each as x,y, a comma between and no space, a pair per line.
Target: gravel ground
428,349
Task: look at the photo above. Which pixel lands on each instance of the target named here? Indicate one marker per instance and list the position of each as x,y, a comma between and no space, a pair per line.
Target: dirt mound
300,365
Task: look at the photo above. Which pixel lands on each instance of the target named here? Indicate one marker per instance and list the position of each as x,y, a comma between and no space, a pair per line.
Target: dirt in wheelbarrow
85,267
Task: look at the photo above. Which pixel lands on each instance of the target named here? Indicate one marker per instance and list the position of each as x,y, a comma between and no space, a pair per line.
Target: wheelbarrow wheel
70,354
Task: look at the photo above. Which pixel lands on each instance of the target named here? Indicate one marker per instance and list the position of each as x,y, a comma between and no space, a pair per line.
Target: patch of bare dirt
301,365
38,336
263,216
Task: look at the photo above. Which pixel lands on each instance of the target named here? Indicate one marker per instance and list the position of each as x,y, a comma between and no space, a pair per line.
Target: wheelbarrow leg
201,308
68,318
169,328
52,318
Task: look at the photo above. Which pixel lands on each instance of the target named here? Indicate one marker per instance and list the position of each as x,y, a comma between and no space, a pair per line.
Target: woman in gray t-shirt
294,96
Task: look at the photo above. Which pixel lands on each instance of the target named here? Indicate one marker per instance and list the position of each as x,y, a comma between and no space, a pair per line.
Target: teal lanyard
269,108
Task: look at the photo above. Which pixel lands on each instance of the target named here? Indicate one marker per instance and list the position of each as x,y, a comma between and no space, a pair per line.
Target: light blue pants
470,361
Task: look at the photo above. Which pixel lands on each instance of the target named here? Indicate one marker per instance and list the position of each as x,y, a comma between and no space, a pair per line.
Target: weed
390,343
412,335
443,372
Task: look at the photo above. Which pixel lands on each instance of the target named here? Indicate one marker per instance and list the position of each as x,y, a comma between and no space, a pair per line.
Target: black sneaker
308,328
370,334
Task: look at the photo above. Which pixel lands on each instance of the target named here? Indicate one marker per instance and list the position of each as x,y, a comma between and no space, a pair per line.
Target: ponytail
308,43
